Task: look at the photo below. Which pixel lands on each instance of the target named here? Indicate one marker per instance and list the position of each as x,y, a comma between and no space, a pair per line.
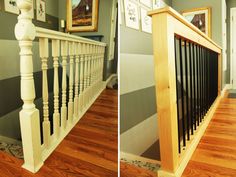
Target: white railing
85,71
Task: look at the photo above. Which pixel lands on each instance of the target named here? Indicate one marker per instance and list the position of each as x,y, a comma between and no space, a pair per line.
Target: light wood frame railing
167,23
86,58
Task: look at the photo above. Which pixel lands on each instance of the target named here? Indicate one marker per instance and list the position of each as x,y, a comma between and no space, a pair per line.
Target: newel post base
162,173
30,133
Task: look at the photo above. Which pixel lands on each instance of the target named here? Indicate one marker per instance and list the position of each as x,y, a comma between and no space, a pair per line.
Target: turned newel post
29,115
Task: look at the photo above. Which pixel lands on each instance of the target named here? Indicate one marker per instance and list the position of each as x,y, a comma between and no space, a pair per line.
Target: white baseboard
227,87
109,78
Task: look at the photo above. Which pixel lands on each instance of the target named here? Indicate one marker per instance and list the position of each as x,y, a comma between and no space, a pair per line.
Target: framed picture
158,4
41,10
11,6
146,21
131,14
201,18
147,3
82,15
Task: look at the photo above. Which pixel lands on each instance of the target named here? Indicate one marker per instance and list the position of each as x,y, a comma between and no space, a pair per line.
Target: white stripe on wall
136,72
140,137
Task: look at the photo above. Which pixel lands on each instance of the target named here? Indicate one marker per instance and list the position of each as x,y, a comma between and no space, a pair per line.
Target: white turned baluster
89,71
102,65
29,115
43,53
81,85
71,81
97,70
76,99
64,53
56,114
85,74
92,75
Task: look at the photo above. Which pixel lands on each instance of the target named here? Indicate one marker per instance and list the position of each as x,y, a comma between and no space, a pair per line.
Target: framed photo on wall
131,14
41,10
201,18
146,21
82,15
147,3
11,6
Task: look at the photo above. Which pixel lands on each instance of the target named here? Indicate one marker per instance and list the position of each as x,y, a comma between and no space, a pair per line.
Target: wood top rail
46,33
180,18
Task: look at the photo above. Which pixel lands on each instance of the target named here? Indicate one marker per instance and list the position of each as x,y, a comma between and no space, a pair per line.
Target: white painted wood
224,32
56,114
29,115
85,75
64,53
233,46
76,99
51,34
81,88
71,82
43,53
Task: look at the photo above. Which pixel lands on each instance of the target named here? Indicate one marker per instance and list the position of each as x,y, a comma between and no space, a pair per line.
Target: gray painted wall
104,23
230,4
10,101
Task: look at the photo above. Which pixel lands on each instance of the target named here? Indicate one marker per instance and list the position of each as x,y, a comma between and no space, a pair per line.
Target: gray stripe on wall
9,20
10,91
134,41
136,106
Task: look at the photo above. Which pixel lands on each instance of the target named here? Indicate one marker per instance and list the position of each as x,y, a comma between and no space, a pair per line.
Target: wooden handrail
179,17
51,34
167,24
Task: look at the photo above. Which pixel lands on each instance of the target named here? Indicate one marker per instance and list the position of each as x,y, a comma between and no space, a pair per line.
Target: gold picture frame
199,17
82,15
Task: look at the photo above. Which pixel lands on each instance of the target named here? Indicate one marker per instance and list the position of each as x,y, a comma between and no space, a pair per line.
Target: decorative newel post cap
25,29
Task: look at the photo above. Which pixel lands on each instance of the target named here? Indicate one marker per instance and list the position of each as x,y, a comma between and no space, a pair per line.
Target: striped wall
10,101
138,118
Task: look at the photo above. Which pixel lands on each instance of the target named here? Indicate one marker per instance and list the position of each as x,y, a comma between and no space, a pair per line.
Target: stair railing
81,60
188,86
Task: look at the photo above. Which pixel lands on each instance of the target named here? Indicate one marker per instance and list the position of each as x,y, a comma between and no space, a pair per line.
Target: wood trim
199,9
165,87
46,33
180,18
93,27
219,73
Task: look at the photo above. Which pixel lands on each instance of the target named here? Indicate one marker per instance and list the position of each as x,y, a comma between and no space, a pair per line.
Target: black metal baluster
177,95
194,86
182,92
186,86
197,86
191,87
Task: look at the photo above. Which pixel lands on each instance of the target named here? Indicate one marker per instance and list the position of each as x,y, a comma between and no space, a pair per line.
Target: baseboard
10,140
227,87
193,144
109,78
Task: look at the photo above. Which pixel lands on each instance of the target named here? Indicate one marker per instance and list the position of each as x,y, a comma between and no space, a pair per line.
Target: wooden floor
215,155
90,149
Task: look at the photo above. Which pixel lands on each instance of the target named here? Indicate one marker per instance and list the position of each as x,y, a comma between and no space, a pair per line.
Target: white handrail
51,34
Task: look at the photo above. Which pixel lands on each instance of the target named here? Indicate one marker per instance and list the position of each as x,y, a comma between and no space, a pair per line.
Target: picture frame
146,21
131,14
158,4
199,17
41,10
11,6
82,16
147,3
